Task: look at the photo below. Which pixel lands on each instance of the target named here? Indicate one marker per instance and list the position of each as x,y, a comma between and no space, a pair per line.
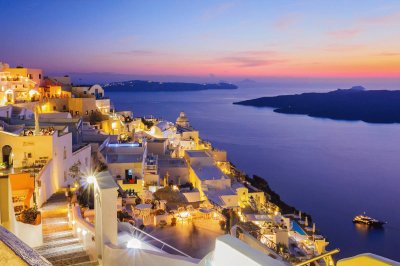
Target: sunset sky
202,38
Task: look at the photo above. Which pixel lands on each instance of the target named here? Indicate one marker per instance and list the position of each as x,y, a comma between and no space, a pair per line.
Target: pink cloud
344,48
250,62
382,20
136,52
258,53
345,33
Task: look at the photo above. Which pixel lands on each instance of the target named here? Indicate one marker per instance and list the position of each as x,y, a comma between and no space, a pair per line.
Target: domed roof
182,118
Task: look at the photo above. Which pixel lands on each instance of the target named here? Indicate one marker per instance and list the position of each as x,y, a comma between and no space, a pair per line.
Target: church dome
182,120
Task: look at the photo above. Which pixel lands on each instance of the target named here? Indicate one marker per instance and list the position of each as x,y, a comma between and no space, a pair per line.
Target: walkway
60,247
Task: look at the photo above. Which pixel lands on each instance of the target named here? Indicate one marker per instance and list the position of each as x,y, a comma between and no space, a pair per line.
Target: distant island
143,85
356,103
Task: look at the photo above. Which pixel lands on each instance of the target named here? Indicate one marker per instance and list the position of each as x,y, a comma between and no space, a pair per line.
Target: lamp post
90,181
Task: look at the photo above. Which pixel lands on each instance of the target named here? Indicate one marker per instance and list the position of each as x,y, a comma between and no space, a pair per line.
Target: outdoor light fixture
78,230
134,243
84,232
90,179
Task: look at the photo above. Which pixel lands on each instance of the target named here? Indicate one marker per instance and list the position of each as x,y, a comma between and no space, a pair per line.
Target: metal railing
322,256
163,244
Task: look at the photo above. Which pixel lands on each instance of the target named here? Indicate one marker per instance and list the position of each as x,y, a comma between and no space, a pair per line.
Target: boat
363,219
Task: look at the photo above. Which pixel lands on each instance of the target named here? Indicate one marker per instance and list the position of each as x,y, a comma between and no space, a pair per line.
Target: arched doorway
7,158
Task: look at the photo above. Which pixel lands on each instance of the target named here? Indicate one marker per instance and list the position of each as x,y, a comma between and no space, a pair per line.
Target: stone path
60,246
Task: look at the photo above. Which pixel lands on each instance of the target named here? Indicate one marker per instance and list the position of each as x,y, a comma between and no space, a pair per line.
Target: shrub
173,221
222,224
29,216
162,223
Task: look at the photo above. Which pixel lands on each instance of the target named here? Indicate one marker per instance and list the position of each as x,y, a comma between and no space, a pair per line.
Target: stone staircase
60,246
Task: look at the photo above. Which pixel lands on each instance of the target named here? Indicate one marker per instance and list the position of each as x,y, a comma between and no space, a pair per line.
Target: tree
95,117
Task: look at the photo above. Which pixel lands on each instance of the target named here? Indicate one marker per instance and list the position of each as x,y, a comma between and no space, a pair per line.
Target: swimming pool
296,227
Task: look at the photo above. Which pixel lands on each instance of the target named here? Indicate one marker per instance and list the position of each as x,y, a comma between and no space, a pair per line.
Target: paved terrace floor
196,238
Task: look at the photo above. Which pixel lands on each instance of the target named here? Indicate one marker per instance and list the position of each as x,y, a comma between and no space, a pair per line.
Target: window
84,92
77,112
65,176
87,161
40,76
29,155
54,108
30,76
65,153
64,107
87,112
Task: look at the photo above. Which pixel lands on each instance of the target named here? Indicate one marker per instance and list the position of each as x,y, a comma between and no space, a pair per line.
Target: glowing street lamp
134,243
91,179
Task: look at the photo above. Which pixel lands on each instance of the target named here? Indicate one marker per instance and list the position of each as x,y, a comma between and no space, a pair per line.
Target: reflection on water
364,229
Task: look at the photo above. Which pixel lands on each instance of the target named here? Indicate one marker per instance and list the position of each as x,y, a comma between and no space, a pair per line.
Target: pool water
296,227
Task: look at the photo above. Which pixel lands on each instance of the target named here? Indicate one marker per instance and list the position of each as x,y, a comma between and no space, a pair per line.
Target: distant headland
356,103
144,85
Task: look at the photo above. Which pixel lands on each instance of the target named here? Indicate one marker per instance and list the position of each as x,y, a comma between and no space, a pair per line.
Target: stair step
57,243
67,256
67,249
58,235
90,263
50,228
72,260
55,220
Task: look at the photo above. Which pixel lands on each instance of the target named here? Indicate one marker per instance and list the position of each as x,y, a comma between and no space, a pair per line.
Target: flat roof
198,153
209,172
172,162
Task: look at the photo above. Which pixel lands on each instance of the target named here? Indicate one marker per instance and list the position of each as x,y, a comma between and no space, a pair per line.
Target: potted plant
173,221
31,216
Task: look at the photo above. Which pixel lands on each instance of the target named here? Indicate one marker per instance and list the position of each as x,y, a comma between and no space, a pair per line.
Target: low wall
47,188
84,230
114,255
30,234
21,250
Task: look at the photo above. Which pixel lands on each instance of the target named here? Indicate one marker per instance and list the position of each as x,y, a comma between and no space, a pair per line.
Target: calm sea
330,169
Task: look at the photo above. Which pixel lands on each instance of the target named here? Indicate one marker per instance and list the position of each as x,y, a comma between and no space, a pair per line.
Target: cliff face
140,85
353,104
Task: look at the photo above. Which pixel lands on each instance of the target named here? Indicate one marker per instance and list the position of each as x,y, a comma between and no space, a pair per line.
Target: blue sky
197,38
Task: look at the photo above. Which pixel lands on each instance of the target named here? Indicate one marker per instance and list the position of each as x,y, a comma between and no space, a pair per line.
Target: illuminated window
65,176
